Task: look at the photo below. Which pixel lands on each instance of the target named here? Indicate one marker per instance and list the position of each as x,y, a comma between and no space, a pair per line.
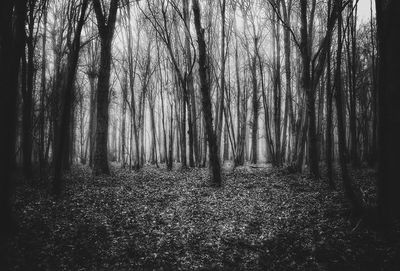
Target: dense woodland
109,86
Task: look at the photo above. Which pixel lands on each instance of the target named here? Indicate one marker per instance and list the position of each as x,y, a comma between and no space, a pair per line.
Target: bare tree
67,96
106,28
388,113
206,100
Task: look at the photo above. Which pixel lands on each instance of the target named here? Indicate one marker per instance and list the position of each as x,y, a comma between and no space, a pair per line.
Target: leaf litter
154,219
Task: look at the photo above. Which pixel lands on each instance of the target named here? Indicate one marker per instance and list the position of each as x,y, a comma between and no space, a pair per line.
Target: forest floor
153,219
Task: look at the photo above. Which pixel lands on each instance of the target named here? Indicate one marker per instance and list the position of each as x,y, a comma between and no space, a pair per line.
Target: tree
277,88
312,67
329,123
350,191
42,123
289,119
67,96
309,91
194,156
329,120
106,27
205,95
352,73
221,99
388,23
11,48
163,17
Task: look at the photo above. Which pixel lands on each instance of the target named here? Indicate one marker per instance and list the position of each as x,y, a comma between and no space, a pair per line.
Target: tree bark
388,22
221,100
346,179
42,125
254,128
329,136
277,92
11,48
309,91
106,32
27,134
206,99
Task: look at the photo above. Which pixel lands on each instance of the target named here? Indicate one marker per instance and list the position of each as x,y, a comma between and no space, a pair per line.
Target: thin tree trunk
67,93
254,130
329,137
42,126
220,105
309,91
27,134
346,179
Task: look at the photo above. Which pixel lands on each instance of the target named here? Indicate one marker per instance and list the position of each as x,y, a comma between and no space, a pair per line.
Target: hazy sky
364,12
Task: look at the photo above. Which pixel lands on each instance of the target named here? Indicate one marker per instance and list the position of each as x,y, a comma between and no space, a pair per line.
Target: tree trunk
388,22
206,99
171,140
189,95
346,179
238,160
288,121
374,150
221,100
329,137
27,135
42,125
254,128
11,48
277,93
100,165
352,85
106,32
309,91
92,117
123,119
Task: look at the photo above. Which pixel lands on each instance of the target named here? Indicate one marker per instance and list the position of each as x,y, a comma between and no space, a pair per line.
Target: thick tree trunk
106,32
374,148
100,165
388,109
206,99
11,48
